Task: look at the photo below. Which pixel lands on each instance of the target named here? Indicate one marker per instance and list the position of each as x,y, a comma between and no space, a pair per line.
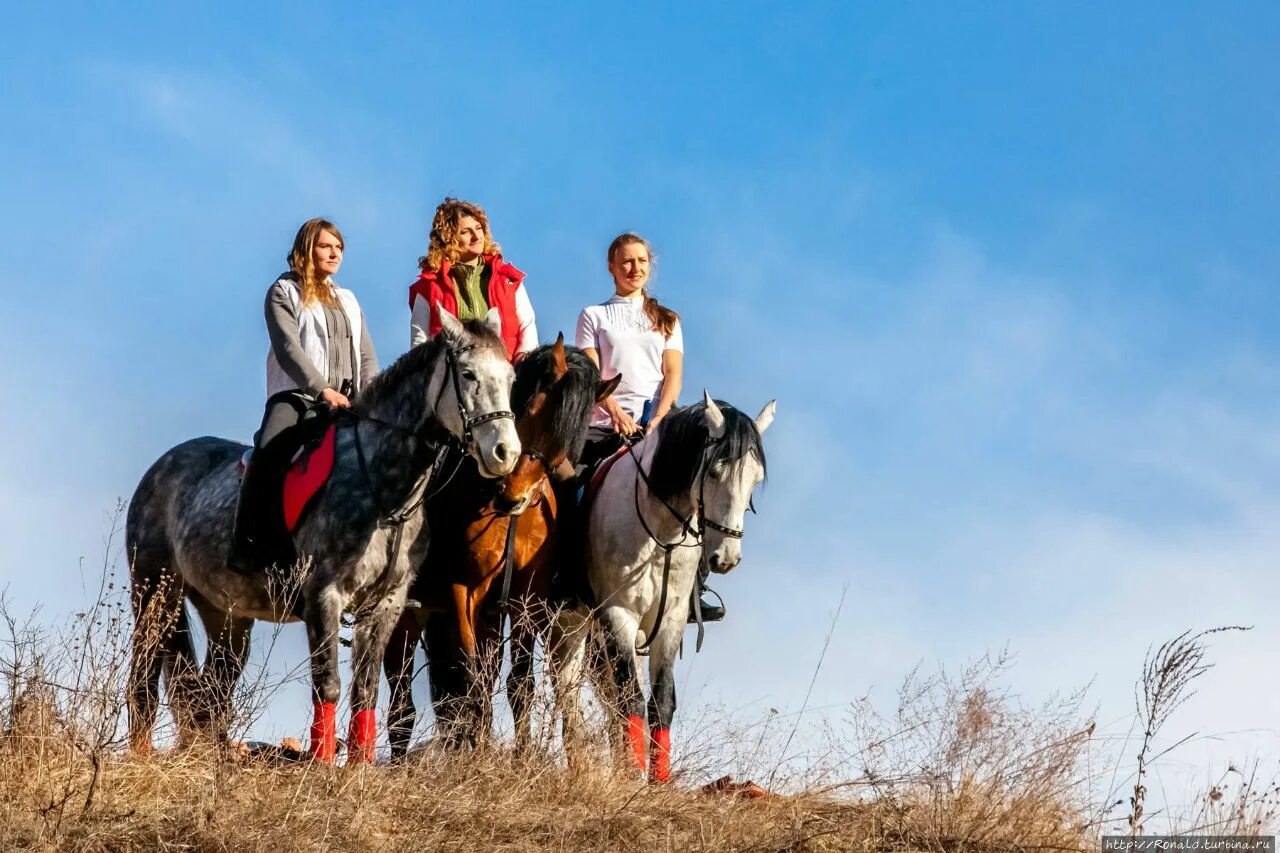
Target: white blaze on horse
359,542
675,499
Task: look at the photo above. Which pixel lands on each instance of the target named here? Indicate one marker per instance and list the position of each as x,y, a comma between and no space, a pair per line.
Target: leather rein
687,529
397,519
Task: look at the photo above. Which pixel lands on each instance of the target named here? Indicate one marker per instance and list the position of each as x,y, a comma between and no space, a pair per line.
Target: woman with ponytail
632,334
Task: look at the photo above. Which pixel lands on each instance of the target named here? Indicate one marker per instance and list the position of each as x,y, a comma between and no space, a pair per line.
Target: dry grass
958,765
206,801
957,768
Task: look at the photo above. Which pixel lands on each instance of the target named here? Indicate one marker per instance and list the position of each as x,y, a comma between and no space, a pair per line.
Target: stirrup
710,612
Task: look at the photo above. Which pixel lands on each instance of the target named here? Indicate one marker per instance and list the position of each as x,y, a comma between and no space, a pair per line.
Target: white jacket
313,335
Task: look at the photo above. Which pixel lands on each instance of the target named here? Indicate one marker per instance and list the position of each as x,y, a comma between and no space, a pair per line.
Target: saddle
569,584
596,479
279,481
309,472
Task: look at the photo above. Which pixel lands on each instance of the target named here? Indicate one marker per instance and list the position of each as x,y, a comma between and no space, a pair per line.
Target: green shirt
470,282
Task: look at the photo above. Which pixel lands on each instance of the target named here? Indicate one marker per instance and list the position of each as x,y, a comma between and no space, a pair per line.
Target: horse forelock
682,442
483,336
573,395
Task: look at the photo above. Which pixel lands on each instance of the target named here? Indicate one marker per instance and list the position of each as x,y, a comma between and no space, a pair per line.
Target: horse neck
659,519
394,436
408,403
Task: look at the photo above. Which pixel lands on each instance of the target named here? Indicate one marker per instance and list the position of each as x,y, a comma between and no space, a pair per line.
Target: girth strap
508,568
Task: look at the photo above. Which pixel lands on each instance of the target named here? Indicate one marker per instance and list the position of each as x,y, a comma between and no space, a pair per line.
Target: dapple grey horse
672,500
359,541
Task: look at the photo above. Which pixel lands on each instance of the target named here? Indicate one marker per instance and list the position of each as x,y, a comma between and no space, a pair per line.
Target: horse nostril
500,452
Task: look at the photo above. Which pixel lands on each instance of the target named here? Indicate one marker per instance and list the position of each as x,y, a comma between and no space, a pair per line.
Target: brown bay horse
459,587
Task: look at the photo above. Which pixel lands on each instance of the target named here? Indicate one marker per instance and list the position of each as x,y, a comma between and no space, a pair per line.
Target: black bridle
397,518
468,422
687,529
509,548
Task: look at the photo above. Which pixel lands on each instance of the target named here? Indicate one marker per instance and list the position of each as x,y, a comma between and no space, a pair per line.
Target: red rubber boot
364,733
324,731
636,739
660,756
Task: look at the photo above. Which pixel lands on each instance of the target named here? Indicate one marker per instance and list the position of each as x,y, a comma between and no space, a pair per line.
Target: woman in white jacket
320,353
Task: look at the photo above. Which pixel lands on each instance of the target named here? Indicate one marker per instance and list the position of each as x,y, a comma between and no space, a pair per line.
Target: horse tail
161,638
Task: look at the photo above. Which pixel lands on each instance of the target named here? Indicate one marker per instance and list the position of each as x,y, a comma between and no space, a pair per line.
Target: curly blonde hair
444,233
662,317
303,267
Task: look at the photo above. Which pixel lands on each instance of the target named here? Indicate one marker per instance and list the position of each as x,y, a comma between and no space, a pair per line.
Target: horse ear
559,366
606,387
494,321
452,327
766,416
715,417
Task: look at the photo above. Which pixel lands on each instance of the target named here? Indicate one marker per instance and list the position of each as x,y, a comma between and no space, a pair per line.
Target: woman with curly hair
463,273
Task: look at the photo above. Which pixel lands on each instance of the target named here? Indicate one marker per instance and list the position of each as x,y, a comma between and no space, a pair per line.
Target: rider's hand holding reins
622,422
336,399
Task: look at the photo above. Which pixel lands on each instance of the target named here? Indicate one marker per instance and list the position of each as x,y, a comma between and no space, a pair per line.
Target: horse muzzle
504,505
724,560
496,448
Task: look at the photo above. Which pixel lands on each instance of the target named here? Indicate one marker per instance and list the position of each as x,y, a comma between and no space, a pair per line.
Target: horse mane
418,361
682,438
571,406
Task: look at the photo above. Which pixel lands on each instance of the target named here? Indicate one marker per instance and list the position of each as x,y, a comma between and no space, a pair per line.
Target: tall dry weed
958,763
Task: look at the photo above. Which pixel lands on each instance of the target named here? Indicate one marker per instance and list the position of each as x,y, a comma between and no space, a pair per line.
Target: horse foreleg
323,611
466,604
620,643
566,648
444,672
520,683
489,667
662,698
368,644
397,665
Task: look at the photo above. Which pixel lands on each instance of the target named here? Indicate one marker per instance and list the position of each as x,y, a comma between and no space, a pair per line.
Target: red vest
504,279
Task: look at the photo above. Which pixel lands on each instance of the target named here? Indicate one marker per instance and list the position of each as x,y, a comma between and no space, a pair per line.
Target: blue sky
1008,268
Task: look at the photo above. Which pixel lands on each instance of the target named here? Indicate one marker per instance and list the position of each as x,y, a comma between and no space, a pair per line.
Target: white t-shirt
623,335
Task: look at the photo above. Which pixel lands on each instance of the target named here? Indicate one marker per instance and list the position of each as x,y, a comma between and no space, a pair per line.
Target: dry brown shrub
958,764
66,783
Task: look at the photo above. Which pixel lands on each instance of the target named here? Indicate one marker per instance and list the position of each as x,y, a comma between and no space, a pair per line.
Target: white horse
674,499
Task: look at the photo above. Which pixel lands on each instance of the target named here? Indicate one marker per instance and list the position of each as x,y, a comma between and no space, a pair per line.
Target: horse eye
469,375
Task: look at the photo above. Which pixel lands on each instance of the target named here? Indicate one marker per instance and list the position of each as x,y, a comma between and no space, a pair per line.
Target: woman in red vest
463,273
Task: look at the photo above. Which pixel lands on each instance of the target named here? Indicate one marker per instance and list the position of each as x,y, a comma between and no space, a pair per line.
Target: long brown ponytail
663,318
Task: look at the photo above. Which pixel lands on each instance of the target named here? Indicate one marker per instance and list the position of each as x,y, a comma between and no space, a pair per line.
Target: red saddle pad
597,479
305,477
